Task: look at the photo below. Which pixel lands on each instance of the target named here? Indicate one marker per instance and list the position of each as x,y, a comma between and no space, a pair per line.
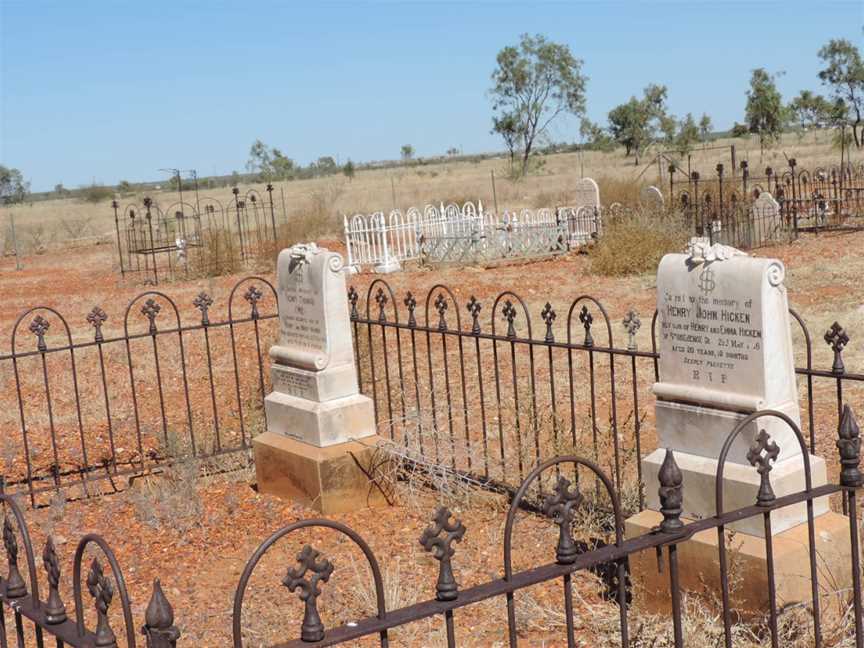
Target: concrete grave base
699,566
740,487
325,479
320,424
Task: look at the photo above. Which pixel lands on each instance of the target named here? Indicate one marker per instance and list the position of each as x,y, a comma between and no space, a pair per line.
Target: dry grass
318,204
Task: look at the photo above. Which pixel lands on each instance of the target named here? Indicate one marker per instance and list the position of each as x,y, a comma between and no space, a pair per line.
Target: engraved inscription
717,341
294,384
301,320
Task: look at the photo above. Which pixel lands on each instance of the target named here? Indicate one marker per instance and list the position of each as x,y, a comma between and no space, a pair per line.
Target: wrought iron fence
92,407
817,200
201,238
35,618
493,396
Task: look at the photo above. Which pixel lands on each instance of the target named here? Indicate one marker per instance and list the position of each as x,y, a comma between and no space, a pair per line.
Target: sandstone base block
740,487
699,565
325,479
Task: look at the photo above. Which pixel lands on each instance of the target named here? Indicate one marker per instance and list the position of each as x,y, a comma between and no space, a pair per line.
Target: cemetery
593,377
371,399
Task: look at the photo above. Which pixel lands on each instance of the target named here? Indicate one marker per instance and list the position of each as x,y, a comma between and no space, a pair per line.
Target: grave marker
315,413
725,352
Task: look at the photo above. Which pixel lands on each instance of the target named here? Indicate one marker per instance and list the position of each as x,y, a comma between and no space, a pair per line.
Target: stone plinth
325,479
740,485
699,565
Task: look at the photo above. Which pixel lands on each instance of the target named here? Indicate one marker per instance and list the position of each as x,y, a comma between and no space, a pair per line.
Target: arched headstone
651,198
587,193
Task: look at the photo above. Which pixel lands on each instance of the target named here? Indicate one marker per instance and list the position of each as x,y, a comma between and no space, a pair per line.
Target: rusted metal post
114,206
272,211
148,216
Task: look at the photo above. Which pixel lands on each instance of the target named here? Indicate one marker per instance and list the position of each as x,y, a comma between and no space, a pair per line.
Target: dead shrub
169,499
634,243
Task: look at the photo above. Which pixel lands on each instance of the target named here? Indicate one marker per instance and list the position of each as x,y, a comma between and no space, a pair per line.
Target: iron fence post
114,206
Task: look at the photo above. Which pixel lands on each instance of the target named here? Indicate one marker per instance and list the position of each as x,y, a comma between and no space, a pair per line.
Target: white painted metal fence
385,242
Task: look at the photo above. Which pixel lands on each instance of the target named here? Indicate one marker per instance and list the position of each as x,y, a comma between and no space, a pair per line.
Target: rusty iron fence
37,618
823,199
206,236
490,396
132,390
486,391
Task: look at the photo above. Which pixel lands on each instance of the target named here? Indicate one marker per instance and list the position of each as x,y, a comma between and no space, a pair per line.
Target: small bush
634,244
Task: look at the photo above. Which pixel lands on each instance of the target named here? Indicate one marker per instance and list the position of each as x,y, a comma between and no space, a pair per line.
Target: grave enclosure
468,386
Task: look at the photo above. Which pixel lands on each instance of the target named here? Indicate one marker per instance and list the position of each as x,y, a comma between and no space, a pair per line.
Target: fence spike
849,445
671,493
55,610
159,628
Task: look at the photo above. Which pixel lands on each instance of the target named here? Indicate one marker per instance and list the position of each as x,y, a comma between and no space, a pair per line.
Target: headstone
315,396
320,429
725,352
651,198
765,216
587,194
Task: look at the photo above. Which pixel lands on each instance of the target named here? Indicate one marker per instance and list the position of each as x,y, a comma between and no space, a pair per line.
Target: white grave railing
385,242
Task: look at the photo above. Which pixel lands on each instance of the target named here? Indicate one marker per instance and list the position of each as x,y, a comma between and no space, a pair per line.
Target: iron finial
849,445
411,304
762,454
587,319
159,628
438,538
102,591
837,338
474,307
548,315
671,494
15,586
55,610
309,590
560,507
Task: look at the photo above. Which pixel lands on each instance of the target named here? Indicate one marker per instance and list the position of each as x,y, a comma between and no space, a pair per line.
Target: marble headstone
765,215
587,193
315,396
725,351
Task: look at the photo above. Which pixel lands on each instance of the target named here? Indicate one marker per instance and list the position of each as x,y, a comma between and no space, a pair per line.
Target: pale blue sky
116,90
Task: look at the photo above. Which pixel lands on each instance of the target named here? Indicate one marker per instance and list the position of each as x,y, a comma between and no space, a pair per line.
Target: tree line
537,80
